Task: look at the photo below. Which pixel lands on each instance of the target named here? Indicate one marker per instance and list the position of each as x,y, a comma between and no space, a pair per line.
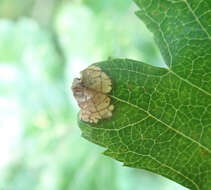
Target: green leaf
162,116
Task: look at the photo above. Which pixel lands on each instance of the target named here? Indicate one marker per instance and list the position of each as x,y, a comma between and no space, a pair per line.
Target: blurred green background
43,46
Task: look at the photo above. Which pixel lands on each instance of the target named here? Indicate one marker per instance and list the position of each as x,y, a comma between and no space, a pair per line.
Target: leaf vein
160,121
169,167
197,19
191,84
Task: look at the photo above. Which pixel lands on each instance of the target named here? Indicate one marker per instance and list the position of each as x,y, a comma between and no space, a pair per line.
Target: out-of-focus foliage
15,8
43,45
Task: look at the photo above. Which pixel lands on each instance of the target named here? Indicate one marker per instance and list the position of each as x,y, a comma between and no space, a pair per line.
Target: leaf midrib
190,83
149,155
157,119
153,158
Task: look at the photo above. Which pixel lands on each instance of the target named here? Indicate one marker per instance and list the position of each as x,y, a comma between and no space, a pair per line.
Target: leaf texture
162,116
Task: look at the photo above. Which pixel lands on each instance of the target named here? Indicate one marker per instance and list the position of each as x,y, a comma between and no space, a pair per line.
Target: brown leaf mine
90,91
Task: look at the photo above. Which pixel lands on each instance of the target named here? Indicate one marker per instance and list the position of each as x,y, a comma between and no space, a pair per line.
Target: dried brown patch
90,91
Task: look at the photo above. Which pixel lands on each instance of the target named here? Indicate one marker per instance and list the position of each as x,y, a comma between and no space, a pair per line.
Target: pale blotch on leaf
90,91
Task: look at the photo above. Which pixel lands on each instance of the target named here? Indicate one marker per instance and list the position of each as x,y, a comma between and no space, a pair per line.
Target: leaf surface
162,116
